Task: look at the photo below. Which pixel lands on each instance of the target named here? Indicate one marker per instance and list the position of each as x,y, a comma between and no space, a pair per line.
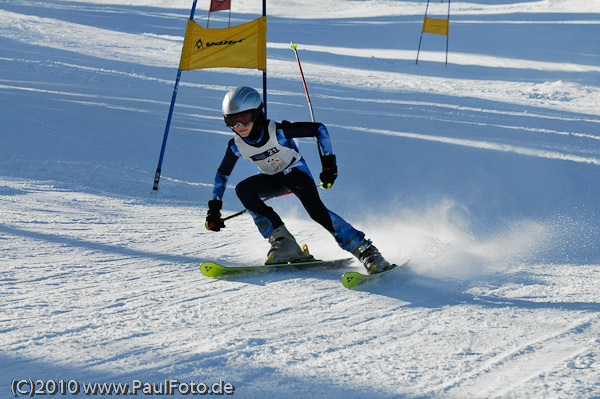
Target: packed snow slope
484,172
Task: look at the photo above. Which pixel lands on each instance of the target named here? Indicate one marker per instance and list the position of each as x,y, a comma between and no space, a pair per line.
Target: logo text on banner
241,46
437,26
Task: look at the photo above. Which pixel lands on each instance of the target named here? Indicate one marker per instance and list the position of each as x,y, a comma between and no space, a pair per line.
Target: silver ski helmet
241,105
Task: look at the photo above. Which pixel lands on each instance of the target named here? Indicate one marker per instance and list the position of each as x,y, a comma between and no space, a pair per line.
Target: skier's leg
345,234
354,241
347,237
250,191
303,186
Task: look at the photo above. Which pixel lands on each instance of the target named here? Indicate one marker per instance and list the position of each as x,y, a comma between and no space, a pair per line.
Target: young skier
270,146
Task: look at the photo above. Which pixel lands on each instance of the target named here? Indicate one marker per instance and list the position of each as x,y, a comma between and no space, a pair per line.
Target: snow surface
485,173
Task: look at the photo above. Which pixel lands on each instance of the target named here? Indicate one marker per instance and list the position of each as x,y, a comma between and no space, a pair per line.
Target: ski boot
370,257
285,249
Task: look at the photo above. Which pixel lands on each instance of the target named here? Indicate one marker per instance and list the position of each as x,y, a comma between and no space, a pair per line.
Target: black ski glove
214,221
329,173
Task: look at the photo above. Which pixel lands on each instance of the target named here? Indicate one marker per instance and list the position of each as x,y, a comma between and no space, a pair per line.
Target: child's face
244,131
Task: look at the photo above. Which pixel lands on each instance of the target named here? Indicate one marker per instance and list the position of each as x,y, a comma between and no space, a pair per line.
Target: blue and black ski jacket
286,133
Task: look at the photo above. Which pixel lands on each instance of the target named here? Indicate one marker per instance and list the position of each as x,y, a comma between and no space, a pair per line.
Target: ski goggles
242,119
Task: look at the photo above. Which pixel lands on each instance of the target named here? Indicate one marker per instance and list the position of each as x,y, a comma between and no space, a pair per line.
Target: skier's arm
214,221
318,130
224,171
309,129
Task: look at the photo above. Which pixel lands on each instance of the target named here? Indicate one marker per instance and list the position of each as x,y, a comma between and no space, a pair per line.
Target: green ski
211,269
354,279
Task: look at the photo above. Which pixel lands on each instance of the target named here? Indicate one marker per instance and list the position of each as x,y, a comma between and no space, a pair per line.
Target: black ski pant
252,190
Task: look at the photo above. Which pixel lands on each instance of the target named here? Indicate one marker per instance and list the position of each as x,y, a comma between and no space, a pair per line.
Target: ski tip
352,279
210,269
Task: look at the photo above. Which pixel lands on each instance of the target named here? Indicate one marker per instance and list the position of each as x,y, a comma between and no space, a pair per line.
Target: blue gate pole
448,35
421,38
168,126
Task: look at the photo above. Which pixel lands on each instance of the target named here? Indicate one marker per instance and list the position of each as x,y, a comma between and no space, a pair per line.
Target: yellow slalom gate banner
437,26
242,46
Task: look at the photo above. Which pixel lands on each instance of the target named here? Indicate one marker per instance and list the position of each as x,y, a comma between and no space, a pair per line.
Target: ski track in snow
100,279
509,371
93,255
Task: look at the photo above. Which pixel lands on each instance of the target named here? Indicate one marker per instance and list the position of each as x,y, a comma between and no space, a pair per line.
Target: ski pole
312,115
